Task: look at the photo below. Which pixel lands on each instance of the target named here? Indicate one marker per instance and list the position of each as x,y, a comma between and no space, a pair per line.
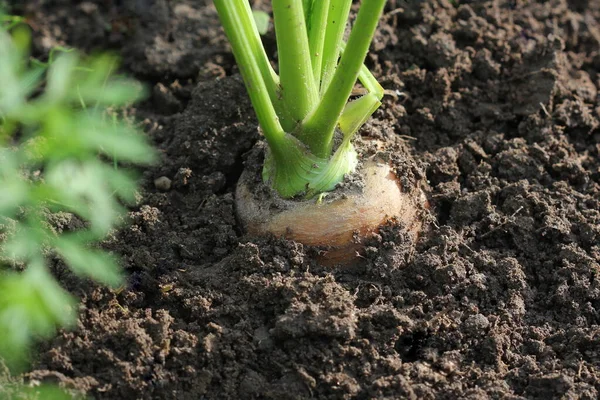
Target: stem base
339,226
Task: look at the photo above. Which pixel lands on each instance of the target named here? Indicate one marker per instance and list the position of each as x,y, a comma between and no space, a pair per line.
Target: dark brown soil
498,99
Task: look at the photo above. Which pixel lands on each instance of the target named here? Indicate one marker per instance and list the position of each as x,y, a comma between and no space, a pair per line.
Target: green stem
302,173
267,72
336,25
307,7
318,128
298,89
231,13
357,112
367,79
316,37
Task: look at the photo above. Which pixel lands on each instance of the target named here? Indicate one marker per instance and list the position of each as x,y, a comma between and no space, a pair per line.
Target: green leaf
58,49
122,183
261,19
57,163
14,193
114,139
115,92
31,304
11,94
31,79
24,244
81,188
60,77
14,190
42,392
96,84
10,20
96,264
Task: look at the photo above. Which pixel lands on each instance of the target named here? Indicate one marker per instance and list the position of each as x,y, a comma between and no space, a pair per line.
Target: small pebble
163,183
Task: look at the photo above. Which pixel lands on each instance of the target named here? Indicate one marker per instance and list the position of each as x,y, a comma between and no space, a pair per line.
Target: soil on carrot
498,100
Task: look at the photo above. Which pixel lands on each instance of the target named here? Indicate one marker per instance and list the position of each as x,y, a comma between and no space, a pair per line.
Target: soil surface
496,99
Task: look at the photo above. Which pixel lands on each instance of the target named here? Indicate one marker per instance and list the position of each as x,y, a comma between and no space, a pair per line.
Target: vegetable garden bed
497,101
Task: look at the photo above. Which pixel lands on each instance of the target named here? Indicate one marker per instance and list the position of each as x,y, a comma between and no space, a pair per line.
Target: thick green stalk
367,79
297,124
298,88
357,112
269,76
236,27
318,128
316,37
290,167
369,82
307,7
302,173
336,25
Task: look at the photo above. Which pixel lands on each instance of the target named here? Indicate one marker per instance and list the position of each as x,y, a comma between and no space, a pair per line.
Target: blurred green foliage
262,20
41,392
59,146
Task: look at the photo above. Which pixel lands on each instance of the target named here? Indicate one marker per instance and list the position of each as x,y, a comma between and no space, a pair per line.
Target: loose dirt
497,101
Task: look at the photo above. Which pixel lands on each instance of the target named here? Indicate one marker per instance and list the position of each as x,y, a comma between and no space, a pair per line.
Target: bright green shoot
303,110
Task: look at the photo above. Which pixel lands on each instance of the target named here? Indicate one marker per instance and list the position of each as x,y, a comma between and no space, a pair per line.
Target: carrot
340,225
